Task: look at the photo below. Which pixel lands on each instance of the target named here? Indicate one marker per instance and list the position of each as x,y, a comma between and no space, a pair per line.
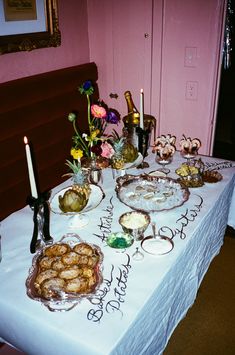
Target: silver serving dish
157,245
63,301
151,193
130,222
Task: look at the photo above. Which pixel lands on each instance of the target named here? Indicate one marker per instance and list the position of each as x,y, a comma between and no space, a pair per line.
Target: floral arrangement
93,143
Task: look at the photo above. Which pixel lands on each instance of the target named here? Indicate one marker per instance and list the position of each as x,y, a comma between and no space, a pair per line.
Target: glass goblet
189,153
164,159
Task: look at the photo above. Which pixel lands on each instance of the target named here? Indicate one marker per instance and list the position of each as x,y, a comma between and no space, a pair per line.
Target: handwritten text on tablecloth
111,294
183,221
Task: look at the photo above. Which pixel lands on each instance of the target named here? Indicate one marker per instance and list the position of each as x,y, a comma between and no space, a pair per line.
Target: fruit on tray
187,170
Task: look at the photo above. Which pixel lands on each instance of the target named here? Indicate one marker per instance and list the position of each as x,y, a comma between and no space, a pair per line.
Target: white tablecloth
140,302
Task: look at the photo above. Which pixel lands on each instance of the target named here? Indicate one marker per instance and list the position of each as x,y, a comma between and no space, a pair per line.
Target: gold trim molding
30,41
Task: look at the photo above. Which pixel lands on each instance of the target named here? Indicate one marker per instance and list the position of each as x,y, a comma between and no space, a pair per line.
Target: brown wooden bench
37,107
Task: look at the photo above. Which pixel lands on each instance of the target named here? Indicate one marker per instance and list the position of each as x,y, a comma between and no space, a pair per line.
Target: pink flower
107,150
98,111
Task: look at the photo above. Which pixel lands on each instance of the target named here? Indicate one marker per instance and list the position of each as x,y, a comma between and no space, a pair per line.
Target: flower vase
95,173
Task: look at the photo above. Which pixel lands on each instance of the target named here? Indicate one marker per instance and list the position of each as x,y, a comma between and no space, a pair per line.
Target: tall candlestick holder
131,127
143,140
41,218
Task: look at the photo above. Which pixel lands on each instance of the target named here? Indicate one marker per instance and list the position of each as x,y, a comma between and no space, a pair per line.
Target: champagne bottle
131,121
133,116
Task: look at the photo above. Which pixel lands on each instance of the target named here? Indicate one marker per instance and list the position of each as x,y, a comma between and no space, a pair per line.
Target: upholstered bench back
37,107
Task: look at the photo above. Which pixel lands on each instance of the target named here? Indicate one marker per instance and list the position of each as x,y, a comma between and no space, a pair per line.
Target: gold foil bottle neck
131,109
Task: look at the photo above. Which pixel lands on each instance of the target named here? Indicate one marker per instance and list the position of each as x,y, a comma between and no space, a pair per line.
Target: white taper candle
142,108
30,169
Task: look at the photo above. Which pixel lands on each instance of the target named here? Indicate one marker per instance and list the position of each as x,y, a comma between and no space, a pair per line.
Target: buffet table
139,303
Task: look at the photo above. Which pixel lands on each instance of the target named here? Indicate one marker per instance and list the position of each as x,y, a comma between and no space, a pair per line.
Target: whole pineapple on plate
76,197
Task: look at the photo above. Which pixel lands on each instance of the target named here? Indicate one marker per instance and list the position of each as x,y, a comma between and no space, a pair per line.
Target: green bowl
120,240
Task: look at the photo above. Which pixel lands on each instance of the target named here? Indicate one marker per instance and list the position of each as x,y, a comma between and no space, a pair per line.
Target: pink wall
197,24
74,49
120,45
112,33
127,60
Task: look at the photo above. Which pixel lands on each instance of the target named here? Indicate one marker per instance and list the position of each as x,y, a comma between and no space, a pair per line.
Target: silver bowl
135,223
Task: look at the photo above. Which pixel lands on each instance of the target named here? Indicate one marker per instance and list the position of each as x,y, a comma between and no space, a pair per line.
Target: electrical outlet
191,90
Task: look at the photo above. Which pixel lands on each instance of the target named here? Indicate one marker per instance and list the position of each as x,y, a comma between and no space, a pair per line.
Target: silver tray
151,193
63,301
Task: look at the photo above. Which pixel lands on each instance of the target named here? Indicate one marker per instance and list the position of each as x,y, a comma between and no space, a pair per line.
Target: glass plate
63,301
151,193
95,198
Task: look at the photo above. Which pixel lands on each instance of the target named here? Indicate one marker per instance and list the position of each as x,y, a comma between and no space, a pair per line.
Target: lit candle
142,108
30,169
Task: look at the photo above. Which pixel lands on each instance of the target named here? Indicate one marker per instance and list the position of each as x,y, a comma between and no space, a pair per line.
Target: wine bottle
133,116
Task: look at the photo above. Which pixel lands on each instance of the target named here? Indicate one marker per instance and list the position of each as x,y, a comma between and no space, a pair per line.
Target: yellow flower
76,153
94,134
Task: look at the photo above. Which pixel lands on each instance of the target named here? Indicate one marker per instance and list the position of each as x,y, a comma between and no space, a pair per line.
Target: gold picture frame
50,36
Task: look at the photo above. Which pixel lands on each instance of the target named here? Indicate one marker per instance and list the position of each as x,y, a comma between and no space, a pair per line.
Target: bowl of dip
135,223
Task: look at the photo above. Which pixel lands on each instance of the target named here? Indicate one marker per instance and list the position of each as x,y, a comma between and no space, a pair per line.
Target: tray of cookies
65,272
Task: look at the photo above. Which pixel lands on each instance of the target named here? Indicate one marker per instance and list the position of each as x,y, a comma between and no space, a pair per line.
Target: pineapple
76,198
117,159
129,152
125,152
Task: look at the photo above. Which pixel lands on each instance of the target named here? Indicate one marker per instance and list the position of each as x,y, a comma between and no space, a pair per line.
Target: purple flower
112,117
86,88
87,85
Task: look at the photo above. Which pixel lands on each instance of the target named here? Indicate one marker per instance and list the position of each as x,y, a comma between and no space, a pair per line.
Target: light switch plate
190,57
